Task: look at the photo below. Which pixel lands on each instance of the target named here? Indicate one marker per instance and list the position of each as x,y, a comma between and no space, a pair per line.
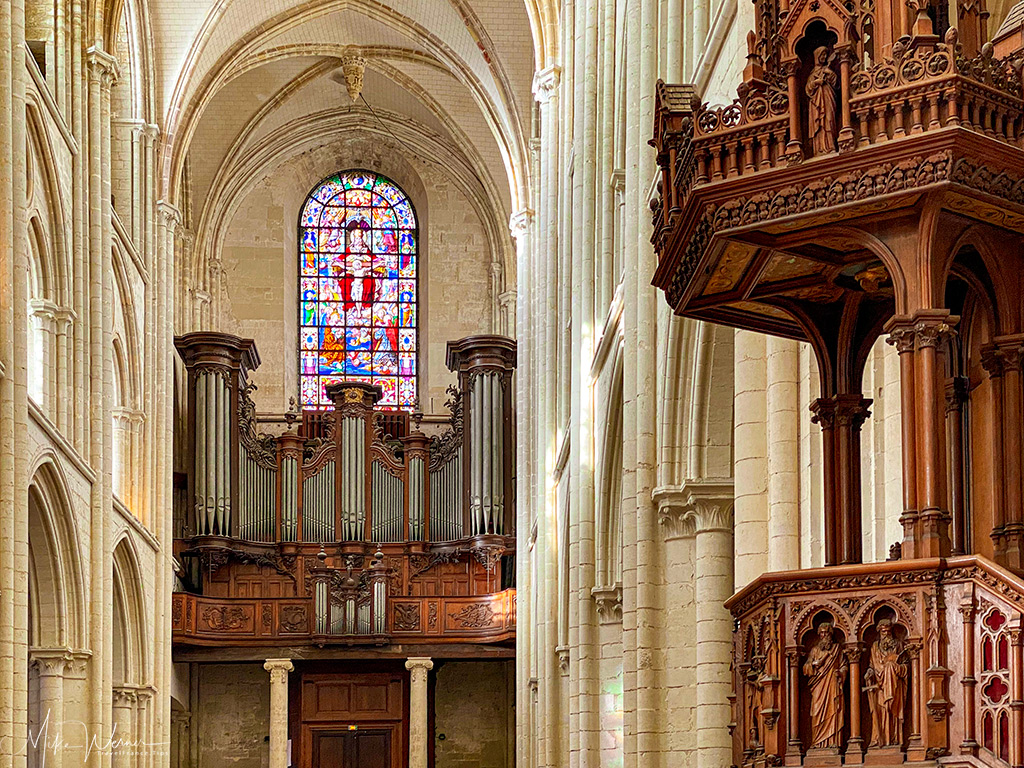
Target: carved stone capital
78,665
1010,350
562,652
50,662
519,222
124,697
103,66
609,603
902,338
545,83
169,213
696,506
418,667
278,669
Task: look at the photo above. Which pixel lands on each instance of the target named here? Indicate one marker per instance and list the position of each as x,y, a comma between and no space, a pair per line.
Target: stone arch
698,387
128,630
609,498
47,206
56,595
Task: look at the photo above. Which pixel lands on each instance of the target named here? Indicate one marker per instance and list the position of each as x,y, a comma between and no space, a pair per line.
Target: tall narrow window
358,289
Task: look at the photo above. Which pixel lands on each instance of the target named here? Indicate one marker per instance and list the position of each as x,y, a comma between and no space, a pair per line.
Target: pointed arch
56,586
609,499
130,652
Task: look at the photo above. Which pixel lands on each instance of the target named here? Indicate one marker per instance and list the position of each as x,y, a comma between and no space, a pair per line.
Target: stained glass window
358,289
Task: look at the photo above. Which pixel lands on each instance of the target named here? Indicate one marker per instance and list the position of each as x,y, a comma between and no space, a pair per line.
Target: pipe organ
340,516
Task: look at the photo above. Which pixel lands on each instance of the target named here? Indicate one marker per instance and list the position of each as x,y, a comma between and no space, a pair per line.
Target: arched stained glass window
358,286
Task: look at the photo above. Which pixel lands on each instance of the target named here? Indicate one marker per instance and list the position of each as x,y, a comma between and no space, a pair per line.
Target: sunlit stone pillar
278,669
123,751
418,668
50,666
711,510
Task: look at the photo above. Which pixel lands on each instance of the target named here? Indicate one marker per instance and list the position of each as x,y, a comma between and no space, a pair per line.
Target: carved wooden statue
886,679
821,105
825,670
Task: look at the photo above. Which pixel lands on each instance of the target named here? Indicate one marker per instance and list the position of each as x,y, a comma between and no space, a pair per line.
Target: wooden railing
882,663
199,620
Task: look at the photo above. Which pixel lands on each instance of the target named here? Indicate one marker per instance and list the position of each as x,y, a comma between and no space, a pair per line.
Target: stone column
711,513
278,669
50,666
122,754
418,668
180,721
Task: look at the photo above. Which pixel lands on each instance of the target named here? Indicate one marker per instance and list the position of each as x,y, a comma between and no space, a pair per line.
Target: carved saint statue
821,107
825,670
886,686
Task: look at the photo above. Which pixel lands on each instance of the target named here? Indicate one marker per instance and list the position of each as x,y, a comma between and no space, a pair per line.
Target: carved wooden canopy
858,125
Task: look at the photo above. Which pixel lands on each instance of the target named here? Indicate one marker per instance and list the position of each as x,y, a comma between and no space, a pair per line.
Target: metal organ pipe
497,455
360,482
223,456
199,490
476,457
484,382
211,451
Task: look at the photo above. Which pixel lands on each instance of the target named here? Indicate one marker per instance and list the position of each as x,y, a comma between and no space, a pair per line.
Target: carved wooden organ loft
869,180
351,526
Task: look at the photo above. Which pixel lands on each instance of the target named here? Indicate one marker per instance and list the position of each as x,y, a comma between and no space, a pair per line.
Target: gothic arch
46,207
698,385
200,80
609,491
129,647
56,595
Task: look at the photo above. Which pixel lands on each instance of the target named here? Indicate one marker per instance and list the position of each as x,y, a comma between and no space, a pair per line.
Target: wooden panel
329,751
372,749
351,698
362,748
371,699
332,699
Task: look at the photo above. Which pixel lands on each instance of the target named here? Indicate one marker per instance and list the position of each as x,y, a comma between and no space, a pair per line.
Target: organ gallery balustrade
880,664
318,531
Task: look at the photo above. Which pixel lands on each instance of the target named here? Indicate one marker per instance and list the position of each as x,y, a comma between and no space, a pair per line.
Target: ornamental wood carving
836,665
867,180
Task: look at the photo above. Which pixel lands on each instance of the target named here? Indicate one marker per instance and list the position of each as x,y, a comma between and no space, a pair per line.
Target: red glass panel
986,654
995,690
1004,653
1004,736
995,620
986,730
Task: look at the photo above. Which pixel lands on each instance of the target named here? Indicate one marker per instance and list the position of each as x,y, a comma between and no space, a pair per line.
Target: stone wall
232,716
474,716
259,260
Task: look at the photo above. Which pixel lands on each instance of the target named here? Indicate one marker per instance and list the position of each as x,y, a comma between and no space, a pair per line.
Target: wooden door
352,749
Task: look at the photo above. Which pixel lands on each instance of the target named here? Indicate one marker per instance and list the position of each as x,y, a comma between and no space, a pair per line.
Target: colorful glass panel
358,289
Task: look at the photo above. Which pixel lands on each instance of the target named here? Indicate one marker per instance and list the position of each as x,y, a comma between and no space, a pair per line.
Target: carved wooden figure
825,669
821,104
886,684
